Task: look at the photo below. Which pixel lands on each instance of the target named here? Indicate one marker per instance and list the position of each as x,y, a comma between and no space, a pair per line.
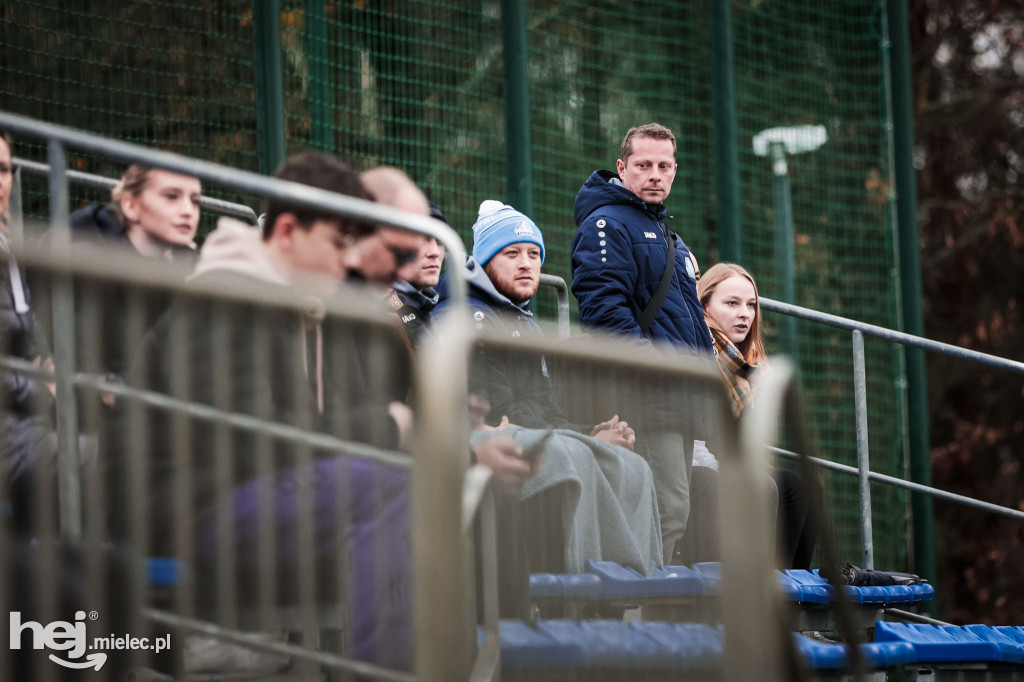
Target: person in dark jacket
28,442
503,274
414,297
153,212
620,249
281,366
619,257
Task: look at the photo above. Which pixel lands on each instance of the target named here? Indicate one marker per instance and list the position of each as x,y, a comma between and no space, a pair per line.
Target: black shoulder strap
654,305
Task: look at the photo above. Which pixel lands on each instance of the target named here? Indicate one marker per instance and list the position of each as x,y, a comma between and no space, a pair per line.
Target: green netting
821,63
419,84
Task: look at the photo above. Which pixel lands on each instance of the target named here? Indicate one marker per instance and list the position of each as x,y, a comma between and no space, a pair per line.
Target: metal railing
562,298
863,469
94,276
58,139
218,206
64,266
447,623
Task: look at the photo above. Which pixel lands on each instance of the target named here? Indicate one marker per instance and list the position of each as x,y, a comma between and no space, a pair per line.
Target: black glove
848,574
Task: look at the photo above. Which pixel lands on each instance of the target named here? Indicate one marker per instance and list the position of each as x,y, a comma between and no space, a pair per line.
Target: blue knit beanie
499,225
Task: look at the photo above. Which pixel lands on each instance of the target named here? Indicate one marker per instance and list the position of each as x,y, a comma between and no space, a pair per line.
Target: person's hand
479,408
616,432
402,414
46,364
505,459
501,425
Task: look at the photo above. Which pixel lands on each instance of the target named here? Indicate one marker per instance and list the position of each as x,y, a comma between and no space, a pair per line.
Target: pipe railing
562,297
444,615
219,206
863,469
58,139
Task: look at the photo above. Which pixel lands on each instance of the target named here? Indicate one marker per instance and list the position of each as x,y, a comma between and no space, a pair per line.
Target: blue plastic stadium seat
797,586
821,655
639,645
887,594
560,644
526,647
621,582
951,643
685,646
164,572
569,586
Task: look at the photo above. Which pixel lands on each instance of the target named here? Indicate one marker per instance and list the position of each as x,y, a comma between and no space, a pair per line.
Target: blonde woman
732,310
154,211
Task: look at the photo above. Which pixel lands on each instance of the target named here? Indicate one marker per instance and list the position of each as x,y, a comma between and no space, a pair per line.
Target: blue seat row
608,580
953,643
640,645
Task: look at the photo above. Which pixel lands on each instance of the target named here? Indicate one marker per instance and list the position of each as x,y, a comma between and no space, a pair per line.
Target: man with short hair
620,249
279,365
376,260
414,296
620,256
613,497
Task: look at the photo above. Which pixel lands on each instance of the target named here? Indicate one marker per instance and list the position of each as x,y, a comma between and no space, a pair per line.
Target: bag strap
654,305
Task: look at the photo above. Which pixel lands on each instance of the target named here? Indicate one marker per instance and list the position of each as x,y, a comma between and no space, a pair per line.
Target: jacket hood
605,188
426,298
481,288
237,248
96,220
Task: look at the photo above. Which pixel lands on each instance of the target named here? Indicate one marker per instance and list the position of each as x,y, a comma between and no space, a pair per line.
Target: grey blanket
609,509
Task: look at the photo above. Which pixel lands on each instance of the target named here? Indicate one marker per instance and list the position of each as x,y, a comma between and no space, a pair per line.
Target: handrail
562,296
444,615
858,329
906,485
57,138
273,188
220,206
891,335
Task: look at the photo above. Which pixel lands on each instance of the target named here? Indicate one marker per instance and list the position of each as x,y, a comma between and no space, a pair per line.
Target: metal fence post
723,109
517,105
860,392
269,91
910,283
785,258
69,490
321,90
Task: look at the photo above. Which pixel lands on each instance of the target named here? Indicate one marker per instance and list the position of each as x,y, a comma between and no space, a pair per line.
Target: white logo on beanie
524,230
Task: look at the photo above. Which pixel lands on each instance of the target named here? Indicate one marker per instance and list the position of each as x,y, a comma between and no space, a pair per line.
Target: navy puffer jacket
618,259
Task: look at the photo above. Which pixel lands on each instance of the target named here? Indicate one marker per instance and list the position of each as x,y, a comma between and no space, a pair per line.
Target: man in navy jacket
620,248
619,256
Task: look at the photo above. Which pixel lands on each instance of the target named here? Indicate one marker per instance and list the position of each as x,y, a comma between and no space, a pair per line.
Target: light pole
776,143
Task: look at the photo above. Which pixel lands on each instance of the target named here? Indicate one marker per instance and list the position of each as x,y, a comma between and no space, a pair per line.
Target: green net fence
420,85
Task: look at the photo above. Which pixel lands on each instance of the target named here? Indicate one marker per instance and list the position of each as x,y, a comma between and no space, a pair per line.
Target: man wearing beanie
566,522
632,275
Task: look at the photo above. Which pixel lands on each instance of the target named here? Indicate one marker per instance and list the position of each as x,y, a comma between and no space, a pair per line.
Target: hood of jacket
96,221
605,188
422,299
237,248
481,289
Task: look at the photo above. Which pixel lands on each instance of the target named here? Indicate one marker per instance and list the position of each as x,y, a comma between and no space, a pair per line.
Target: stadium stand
203,598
